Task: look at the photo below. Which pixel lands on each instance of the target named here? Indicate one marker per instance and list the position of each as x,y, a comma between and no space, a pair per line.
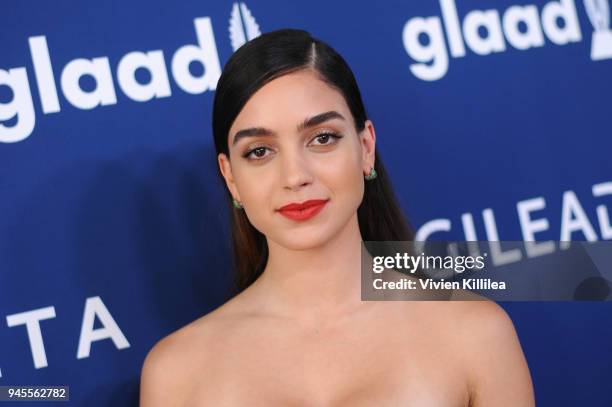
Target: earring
237,204
372,175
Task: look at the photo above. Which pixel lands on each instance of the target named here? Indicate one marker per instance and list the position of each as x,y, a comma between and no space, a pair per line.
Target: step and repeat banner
493,118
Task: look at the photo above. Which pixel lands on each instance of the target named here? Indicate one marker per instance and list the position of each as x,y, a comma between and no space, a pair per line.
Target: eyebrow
308,123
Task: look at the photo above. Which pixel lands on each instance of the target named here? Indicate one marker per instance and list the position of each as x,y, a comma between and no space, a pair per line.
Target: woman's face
297,142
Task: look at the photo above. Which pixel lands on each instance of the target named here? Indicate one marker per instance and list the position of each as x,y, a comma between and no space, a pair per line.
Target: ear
226,170
368,146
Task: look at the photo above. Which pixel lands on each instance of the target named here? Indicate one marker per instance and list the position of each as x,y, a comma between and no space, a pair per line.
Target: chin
305,239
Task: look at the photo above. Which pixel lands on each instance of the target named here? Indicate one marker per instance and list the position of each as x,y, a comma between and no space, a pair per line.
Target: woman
297,154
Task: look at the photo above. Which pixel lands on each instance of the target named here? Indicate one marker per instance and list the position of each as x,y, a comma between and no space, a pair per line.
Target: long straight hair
256,63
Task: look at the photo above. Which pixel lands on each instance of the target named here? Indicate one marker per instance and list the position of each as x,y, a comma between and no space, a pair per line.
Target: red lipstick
303,211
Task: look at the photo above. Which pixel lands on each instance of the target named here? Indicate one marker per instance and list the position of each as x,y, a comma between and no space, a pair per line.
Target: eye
256,153
326,138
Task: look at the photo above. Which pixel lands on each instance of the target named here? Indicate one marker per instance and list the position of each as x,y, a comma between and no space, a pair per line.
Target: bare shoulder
469,318
498,371
479,320
484,345
171,365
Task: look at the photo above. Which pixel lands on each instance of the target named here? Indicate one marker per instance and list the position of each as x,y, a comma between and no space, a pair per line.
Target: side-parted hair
253,65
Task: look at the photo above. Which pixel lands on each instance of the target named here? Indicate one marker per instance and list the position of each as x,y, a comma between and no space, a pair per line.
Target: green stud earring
372,175
237,204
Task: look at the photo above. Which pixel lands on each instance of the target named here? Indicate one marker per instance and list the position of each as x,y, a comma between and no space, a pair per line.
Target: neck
323,281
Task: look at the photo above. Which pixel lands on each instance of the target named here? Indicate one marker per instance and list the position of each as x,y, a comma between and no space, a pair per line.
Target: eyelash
332,136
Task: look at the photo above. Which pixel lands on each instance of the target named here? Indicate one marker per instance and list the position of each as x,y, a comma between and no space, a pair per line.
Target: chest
350,367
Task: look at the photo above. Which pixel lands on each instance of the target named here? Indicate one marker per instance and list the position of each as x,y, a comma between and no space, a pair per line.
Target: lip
304,210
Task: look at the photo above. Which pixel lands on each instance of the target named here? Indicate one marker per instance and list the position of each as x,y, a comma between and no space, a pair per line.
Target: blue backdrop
112,227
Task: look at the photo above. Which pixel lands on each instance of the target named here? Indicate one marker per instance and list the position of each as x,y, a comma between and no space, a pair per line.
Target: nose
295,170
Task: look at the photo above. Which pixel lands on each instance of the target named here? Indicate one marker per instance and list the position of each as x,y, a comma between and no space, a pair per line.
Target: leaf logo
242,25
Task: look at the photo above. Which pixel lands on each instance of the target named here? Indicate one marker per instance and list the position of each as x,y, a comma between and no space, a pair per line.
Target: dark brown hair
256,63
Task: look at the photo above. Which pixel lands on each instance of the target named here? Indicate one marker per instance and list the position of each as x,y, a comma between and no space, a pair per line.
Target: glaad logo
243,26
20,109
599,15
485,32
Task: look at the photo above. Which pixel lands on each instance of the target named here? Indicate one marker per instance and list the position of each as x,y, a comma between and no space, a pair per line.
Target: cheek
342,174
255,193
252,181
